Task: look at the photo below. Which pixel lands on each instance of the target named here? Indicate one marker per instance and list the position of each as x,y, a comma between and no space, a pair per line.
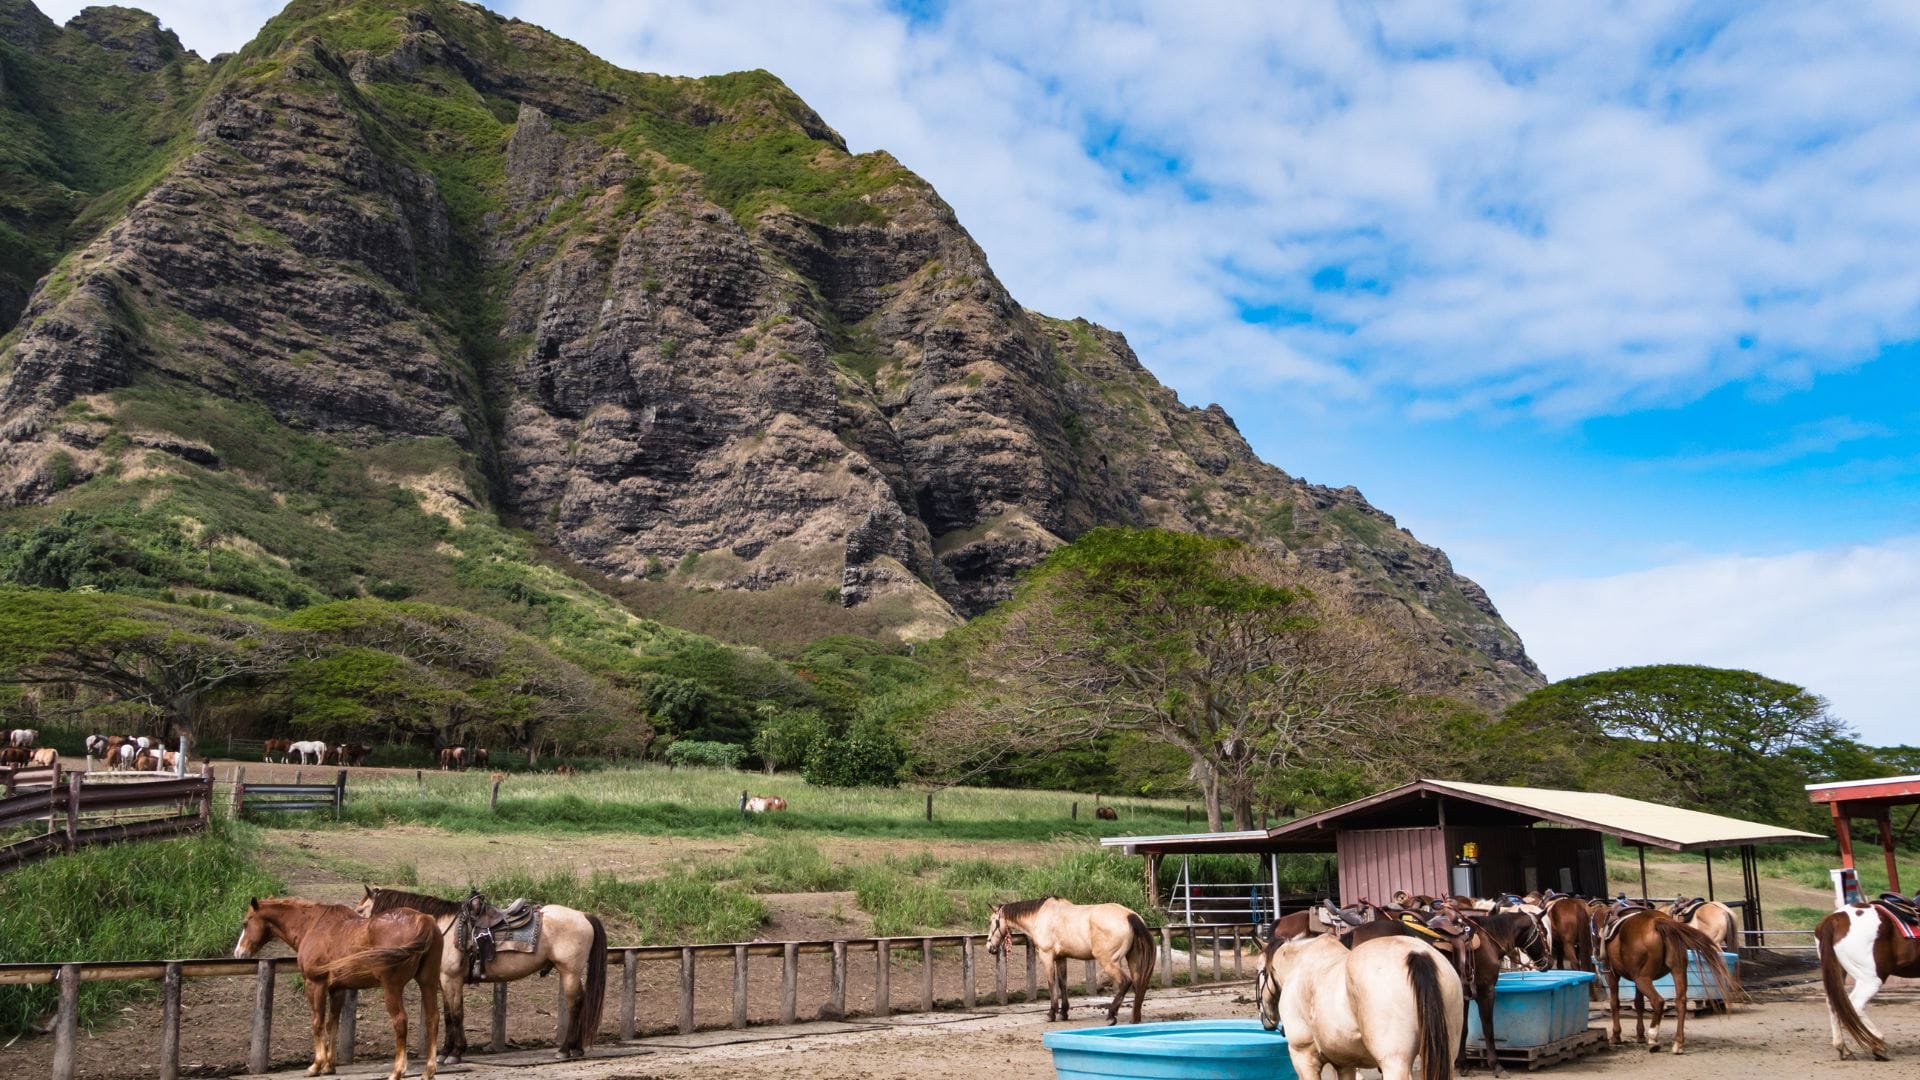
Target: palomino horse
1711,918
1643,944
1111,935
1861,940
1380,1005
340,951
571,942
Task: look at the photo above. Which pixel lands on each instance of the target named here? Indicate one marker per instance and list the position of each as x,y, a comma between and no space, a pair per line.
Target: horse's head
253,933
364,908
1266,998
996,931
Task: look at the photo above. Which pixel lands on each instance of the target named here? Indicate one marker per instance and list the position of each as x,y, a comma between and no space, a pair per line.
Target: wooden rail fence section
1226,943
79,813
17,779
261,798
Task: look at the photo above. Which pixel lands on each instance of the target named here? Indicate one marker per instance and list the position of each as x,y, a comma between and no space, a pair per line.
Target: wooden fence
14,780
1229,951
276,797
87,811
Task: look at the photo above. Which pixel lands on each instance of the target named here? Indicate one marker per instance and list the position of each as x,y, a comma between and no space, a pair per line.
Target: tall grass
654,800
161,900
676,908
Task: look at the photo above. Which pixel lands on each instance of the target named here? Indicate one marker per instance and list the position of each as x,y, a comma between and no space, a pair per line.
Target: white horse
1861,940
22,737
314,748
1380,1005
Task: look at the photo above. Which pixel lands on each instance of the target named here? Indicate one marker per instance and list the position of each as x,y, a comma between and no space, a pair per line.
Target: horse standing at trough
1381,1004
562,939
339,951
1643,944
1710,917
1869,943
1111,935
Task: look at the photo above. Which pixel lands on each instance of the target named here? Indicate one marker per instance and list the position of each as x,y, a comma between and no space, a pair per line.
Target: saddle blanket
1903,921
524,938
1685,909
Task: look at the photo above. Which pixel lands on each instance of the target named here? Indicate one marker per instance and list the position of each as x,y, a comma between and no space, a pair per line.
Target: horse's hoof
1678,1049
1881,1055
1653,1048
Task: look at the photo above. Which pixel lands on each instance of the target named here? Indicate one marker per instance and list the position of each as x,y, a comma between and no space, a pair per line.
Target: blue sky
1620,309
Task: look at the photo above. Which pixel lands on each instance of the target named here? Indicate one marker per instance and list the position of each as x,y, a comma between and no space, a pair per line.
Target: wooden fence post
73,813
929,806
1000,973
837,982
493,800
260,1049
1193,957
66,1024
789,982
966,972
170,1023
206,795
883,977
239,791
629,992
349,1020
1075,812
1216,954
497,1024
1166,956
739,986
1236,954
339,793
926,974
686,990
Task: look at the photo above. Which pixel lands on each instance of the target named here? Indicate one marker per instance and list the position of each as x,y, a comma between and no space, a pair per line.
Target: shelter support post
1885,820
1844,828
1153,879
1709,854
1750,915
1642,848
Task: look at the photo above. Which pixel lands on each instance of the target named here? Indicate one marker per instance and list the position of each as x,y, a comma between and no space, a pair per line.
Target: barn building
1416,837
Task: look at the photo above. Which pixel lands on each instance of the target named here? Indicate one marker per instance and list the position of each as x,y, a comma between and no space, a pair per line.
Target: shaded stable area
1872,800
1444,837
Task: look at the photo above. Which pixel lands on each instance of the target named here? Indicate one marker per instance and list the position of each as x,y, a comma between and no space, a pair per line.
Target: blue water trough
1195,1049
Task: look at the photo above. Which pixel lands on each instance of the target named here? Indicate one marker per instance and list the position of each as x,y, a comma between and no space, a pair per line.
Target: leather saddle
1902,908
1684,908
487,929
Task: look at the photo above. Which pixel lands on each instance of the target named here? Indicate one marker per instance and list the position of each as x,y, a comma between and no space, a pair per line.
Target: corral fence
99,809
18,780
1214,953
269,798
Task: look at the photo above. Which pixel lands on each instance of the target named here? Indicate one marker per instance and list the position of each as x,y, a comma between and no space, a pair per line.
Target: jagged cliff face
671,325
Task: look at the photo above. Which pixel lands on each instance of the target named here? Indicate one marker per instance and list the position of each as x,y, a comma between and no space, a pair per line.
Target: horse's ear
253,903
368,889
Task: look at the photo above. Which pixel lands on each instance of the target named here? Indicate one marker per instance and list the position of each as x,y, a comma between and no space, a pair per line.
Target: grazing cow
22,738
761,804
1106,813
13,755
45,756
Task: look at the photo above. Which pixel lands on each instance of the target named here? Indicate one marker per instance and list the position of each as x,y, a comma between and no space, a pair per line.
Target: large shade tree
1247,664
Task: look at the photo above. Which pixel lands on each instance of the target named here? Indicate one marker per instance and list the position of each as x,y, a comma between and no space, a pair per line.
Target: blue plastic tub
1701,985
1524,1012
1199,1049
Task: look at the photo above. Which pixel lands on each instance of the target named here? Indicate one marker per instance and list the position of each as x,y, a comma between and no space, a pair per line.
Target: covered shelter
1440,837
1873,800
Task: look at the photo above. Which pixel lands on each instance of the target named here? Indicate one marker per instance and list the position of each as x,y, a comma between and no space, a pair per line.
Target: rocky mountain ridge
671,326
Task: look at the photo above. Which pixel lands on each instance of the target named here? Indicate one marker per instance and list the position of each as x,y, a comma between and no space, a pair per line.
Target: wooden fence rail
1220,940
278,797
84,812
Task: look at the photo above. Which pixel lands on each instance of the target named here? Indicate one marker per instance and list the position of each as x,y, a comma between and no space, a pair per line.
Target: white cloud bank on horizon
1844,622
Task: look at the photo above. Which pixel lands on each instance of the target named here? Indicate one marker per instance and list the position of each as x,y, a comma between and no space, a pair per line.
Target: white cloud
1840,622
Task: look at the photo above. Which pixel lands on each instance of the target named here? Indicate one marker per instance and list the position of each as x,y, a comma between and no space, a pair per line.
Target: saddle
1903,912
485,930
1684,908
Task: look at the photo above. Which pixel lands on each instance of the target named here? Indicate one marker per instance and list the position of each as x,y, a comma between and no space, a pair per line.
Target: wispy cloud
1837,621
1817,439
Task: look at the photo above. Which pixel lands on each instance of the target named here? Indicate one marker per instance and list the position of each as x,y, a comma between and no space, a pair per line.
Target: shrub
865,756
716,755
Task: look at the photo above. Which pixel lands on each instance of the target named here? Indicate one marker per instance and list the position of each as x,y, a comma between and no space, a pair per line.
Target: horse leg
1645,993
317,1002
1484,999
1122,982
1060,981
336,1002
1864,987
574,996
429,1016
395,993
453,1011
1613,1004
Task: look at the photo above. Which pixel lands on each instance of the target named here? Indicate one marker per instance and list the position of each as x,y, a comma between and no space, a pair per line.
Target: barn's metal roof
1890,790
1423,803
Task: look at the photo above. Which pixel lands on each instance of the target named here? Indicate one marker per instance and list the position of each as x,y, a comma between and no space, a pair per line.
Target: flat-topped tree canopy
1457,803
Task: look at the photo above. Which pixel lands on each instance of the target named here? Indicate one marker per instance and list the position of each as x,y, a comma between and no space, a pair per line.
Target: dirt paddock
1783,1032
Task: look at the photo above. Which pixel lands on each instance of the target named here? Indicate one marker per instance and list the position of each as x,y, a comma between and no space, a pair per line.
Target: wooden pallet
1539,1057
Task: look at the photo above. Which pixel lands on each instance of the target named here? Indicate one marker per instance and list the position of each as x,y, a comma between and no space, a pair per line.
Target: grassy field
654,800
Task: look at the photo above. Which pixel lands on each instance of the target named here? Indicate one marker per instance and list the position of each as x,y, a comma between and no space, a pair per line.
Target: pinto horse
1861,940
1642,944
571,942
1380,1004
340,951
1112,935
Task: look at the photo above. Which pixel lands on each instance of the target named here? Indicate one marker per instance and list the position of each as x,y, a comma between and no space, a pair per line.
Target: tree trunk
1243,811
1210,789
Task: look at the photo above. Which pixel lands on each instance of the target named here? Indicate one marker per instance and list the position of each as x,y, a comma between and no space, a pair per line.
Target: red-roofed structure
1873,800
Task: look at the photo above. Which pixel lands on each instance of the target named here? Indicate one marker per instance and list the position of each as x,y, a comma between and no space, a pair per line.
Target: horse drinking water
340,951
1111,935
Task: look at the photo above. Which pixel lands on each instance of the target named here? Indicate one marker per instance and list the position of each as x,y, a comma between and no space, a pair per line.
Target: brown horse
339,951
1111,935
1642,944
571,942
1861,940
1570,936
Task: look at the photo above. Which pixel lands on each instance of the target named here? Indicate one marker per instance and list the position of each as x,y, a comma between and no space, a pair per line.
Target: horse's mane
388,899
1014,910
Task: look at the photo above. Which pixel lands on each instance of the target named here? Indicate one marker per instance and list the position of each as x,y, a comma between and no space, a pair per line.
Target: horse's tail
594,1004
1140,953
1707,949
1833,978
1430,1013
370,963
